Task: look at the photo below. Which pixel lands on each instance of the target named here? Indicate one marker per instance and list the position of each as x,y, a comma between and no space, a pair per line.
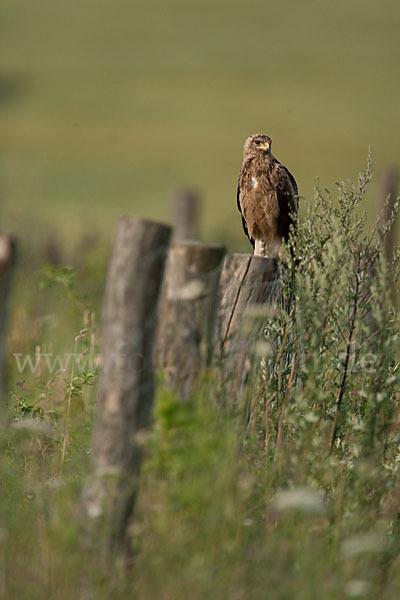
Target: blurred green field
107,107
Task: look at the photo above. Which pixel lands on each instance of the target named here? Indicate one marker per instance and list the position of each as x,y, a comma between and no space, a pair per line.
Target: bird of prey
267,197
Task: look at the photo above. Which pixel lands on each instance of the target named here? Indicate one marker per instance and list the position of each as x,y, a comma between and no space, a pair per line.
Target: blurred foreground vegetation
291,491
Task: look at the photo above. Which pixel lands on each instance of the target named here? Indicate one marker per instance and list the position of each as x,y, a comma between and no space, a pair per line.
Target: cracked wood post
248,283
126,386
187,311
185,214
7,263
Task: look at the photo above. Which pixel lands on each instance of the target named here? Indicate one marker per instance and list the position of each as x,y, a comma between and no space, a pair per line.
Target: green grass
107,108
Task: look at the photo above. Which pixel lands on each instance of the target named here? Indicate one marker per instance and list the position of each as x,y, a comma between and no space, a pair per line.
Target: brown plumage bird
267,197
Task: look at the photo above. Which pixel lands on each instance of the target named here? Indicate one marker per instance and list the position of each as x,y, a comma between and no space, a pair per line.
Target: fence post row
194,303
126,385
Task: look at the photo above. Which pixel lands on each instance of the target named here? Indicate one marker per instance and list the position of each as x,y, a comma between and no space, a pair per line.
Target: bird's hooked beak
265,147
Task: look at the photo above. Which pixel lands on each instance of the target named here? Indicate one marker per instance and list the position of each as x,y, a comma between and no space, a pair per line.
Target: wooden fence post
388,193
186,314
7,262
247,282
185,214
126,385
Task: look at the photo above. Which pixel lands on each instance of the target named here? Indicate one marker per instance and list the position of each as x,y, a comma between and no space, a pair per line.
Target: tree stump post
186,313
185,214
126,385
7,263
248,283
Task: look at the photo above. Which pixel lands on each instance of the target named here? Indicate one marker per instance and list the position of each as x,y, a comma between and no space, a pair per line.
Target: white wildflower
302,499
357,588
191,291
34,426
364,543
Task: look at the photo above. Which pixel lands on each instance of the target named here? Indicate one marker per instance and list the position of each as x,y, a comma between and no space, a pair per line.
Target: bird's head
255,144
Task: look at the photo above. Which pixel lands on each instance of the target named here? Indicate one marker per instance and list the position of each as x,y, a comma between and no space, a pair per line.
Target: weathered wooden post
388,194
247,283
186,313
185,214
7,262
126,385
